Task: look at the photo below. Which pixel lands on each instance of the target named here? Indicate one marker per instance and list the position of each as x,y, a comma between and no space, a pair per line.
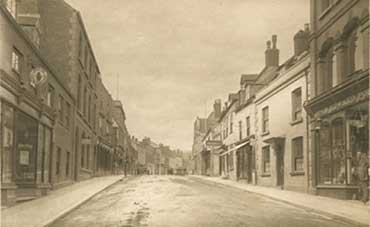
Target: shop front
340,134
25,155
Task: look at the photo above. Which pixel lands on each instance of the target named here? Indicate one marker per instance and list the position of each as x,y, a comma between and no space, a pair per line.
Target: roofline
35,50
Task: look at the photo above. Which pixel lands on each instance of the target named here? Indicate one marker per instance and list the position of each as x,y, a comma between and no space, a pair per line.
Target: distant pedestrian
363,177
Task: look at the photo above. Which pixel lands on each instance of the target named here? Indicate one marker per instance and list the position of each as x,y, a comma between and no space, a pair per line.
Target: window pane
7,126
338,152
47,154
324,154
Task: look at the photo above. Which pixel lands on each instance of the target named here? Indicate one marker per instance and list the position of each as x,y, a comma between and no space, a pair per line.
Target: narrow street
159,201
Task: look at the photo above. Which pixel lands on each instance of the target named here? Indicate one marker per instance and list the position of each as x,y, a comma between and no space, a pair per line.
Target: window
79,93
85,101
68,113
68,160
81,48
61,109
265,119
297,104
332,152
354,52
50,96
7,144
17,59
89,110
297,152
266,159
87,156
248,125
11,6
82,154
231,123
240,130
57,164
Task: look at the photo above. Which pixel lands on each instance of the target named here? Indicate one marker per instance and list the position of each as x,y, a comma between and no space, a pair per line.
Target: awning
236,147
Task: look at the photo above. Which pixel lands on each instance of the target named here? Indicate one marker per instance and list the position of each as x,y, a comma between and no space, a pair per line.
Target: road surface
174,201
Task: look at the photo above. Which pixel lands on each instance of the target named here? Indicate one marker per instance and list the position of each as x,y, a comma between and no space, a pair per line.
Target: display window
343,137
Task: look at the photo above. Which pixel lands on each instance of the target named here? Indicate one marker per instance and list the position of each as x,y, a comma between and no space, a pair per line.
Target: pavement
348,210
45,210
181,201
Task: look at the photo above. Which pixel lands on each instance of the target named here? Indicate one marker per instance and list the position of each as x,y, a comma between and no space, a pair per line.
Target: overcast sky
175,57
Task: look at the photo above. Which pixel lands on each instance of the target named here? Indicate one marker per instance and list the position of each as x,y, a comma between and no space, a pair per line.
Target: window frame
266,153
248,126
297,108
265,120
17,61
295,156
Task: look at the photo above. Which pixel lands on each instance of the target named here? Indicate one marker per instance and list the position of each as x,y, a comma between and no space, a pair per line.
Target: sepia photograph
184,113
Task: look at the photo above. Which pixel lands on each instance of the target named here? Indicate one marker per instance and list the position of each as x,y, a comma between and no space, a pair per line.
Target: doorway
280,166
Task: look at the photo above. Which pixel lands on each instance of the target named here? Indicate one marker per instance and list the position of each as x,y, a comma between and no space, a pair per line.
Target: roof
247,78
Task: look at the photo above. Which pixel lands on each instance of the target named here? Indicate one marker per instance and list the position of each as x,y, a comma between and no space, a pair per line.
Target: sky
168,60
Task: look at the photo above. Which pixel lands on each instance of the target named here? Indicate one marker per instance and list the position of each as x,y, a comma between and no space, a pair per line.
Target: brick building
66,45
36,111
339,105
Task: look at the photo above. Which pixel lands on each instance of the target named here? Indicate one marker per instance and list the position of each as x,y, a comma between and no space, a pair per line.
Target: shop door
26,149
250,163
280,166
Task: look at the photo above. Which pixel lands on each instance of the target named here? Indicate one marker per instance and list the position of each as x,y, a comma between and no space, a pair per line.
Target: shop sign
347,102
24,153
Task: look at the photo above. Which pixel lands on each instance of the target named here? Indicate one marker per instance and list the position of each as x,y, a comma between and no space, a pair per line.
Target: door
280,166
26,149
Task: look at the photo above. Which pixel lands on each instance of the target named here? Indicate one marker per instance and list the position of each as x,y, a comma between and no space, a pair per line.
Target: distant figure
363,177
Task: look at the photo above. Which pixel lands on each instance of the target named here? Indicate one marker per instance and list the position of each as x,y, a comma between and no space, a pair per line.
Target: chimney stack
217,108
301,42
272,54
28,17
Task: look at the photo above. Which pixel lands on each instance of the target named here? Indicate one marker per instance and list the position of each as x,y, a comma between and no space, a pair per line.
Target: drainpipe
307,139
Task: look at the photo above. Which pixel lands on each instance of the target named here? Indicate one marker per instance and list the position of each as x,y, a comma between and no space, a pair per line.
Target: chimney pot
274,41
268,44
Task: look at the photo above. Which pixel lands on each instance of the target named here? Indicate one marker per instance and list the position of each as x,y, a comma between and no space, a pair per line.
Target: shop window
266,159
265,119
17,60
248,123
58,160
46,155
332,152
7,136
240,130
26,147
297,152
338,151
297,104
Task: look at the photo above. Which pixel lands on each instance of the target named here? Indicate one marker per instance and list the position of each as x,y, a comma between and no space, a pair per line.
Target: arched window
353,43
328,66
